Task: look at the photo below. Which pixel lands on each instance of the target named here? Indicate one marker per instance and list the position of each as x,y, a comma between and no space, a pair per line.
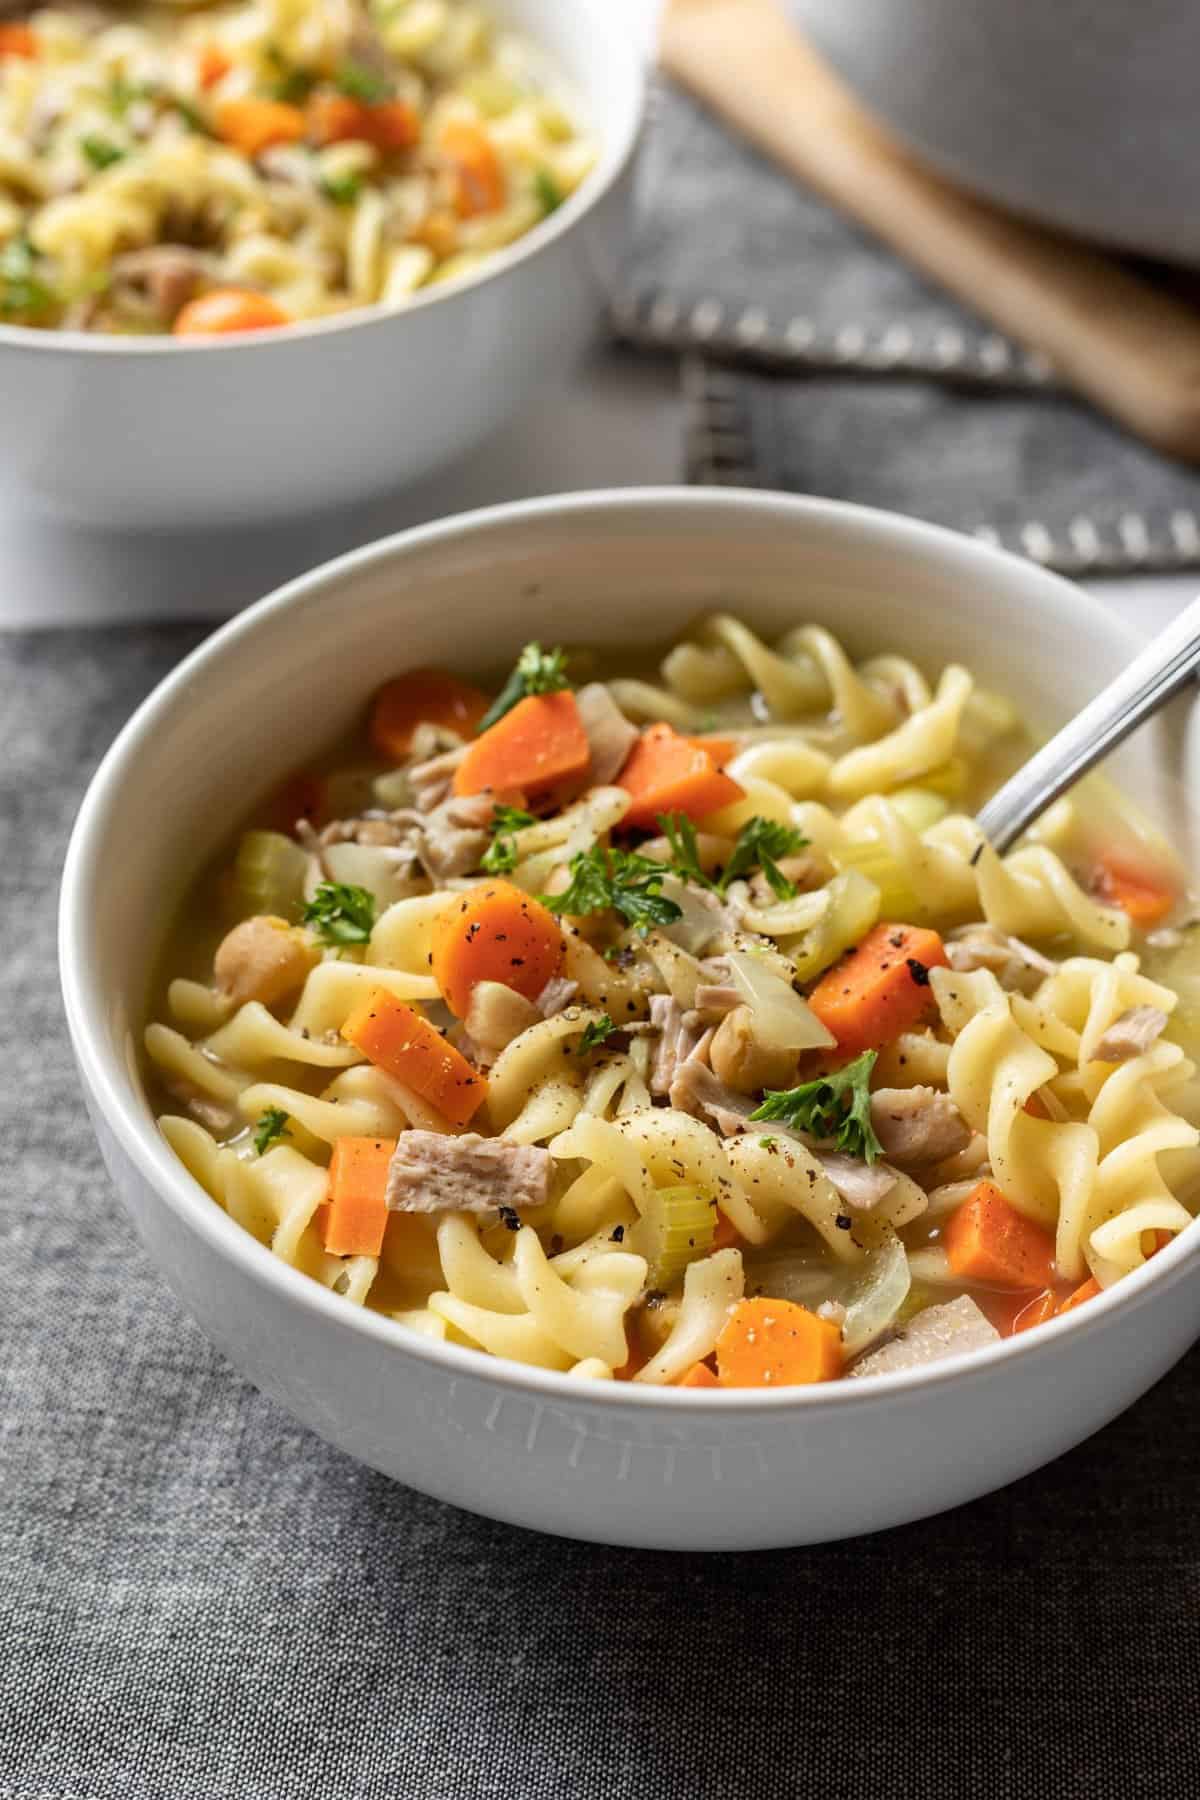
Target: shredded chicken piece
376,829
431,780
675,1042
263,959
162,278
696,1090
1016,965
558,993
307,836
1131,1034
937,1332
497,1014
918,1125
450,839
609,733
712,1005
430,1173
214,1115
861,1185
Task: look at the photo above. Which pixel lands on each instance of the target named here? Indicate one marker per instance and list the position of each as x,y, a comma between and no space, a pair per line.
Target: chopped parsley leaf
343,190
836,1106
620,880
340,913
358,82
501,854
680,833
99,152
761,841
538,671
595,1032
549,195
22,293
271,1125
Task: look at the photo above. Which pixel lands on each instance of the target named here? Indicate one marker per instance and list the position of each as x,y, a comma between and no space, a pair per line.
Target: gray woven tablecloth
201,1601
845,374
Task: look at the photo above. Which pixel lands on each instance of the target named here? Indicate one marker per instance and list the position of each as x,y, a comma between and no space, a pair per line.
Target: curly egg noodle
674,1237
246,166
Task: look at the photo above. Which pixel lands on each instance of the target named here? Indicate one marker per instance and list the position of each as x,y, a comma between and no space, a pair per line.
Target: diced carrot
211,64
356,1212
880,989
301,796
229,309
775,1343
17,39
479,184
494,933
1087,1291
720,749
1159,1241
403,1042
727,1236
387,124
1138,892
252,125
1043,1306
666,773
987,1239
699,1375
423,696
1035,1106
536,745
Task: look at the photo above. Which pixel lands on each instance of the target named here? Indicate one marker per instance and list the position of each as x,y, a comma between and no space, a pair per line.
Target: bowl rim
107,1081
611,166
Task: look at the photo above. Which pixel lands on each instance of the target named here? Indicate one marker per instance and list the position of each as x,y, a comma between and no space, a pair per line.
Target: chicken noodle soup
678,1026
236,168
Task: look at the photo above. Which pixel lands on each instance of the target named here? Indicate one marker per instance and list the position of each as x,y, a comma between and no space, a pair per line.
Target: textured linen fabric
847,375
201,1601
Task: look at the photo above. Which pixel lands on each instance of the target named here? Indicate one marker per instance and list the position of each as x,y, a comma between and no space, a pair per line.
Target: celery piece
853,909
677,1226
872,858
268,876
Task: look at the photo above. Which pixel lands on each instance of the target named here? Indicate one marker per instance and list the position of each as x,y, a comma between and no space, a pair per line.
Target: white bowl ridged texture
614,1463
154,433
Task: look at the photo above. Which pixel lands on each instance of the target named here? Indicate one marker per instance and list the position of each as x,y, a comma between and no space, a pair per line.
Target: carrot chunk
699,1375
479,184
253,125
355,1215
211,64
404,1044
229,309
1144,897
775,1343
1087,1290
423,697
387,124
986,1239
495,933
17,39
666,773
880,989
727,1236
539,743
1043,1306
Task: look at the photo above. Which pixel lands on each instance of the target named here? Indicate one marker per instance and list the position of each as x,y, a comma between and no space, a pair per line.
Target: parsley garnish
619,880
191,115
21,291
99,152
680,833
538,671
761,841
292,83
501,854
271,1125
358,82
343,190
836,1106
595,1032
340,913
550,195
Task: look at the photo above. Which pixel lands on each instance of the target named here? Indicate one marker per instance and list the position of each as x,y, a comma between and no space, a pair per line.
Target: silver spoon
1166,665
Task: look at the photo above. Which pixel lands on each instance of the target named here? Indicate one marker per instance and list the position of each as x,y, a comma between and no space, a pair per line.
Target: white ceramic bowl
624,1464
156,432
1081,113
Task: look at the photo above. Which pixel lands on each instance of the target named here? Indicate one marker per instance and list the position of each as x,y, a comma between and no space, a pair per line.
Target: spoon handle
1167,664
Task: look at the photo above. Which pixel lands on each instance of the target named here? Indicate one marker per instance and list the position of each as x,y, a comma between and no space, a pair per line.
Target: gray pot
1080,113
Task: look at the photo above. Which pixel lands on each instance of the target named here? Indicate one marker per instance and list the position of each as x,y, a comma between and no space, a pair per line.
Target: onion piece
877,1296
384,872
781,1017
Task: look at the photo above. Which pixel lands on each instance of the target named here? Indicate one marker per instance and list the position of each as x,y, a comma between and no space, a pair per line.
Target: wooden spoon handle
1132,350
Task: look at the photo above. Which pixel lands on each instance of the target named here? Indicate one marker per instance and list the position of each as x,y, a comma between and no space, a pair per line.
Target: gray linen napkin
844,374
201,1601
